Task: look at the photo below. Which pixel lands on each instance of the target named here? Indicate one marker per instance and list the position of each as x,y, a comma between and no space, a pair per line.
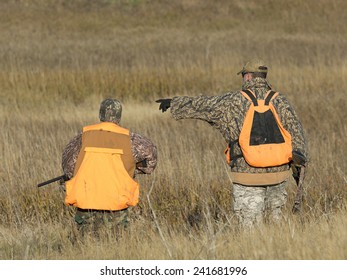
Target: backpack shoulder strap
251,96
269,96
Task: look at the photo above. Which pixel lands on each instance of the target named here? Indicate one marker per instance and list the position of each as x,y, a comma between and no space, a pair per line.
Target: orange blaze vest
104,171
263,140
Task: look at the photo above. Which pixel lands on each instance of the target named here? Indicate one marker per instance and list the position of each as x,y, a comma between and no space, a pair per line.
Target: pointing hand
164,104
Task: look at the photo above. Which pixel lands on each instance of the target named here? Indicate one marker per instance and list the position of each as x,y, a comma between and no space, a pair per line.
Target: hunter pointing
264,136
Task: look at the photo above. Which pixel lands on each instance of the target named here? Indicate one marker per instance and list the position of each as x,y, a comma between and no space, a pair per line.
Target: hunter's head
253,68
110,111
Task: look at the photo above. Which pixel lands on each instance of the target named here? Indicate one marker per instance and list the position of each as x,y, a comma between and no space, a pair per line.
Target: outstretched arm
218,111
207,108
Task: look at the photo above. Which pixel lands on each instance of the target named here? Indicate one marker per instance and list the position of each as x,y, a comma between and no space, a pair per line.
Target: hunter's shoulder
141,140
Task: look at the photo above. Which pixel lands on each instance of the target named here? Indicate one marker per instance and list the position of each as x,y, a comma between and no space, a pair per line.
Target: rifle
142,163
299,178
298,168
62,177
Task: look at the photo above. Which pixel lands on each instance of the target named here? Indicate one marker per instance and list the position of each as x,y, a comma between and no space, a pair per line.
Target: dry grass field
60,58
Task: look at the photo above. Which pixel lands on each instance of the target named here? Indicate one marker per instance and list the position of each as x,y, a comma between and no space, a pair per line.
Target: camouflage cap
254,66
110,111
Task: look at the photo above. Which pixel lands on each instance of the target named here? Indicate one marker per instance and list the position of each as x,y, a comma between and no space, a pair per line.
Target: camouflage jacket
226,113
142,149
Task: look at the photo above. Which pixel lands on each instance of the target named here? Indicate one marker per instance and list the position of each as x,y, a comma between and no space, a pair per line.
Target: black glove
164,104
298,158
142,163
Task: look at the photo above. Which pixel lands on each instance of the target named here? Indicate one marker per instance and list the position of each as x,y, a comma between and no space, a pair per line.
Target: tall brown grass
59,59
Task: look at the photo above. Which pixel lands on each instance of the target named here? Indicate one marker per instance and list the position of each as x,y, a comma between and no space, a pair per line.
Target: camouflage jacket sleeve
291,123
143,150
216,110
70,155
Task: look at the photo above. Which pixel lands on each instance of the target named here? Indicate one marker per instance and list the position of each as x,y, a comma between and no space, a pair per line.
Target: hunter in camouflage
254,188
144,153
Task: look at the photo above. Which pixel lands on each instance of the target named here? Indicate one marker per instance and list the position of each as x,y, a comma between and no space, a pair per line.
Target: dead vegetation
60,58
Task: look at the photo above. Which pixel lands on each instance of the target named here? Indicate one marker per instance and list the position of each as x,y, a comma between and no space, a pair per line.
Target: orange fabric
107,135
264,155
101,181
106,126
227,155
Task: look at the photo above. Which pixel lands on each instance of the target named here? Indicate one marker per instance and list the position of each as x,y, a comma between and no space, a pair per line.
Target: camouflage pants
252,202
94,221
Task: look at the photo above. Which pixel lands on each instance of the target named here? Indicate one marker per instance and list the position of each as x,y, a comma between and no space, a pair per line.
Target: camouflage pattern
70,155
226,113
251,203
93,221
142,149
110,111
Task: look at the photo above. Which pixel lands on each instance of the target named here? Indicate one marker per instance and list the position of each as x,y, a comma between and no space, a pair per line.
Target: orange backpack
263,140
